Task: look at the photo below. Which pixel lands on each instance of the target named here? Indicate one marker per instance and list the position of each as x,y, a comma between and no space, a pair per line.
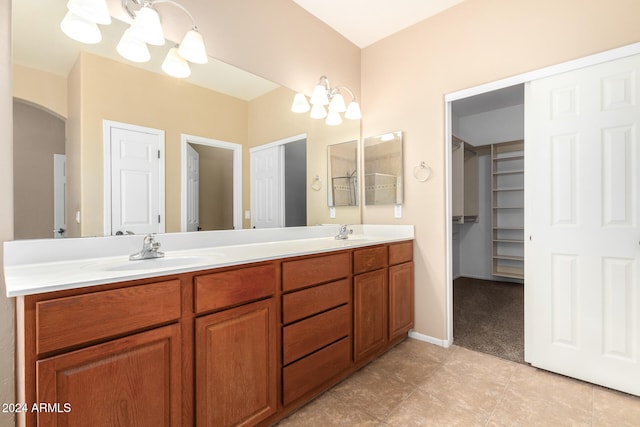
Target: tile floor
419,384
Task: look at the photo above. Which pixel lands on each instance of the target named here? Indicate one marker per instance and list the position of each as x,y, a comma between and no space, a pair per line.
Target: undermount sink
353,239
153,263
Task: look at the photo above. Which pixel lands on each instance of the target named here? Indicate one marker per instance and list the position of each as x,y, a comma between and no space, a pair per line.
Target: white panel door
267,204
193,189
582,293
135,182
59,195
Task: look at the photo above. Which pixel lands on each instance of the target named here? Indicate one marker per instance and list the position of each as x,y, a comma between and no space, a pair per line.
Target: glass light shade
300,104
95,11
147,28
333,119
132,48
337,103
192,48
80,29
353,111
175,65
318,112
319,96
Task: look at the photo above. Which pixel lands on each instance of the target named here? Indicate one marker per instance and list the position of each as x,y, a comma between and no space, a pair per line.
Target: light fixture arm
142,3
338,88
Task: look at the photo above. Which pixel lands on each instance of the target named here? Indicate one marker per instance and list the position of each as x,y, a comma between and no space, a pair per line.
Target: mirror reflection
83,88
383,171
343,174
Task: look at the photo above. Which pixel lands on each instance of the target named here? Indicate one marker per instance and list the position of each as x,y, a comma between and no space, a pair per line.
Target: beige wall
216,193
271,119
134,96
405,78
40,88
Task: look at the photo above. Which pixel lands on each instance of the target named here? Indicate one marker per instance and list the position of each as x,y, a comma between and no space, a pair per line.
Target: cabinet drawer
311,271
400,252
305,303
316,369
306,336
369,259
229,288
71,321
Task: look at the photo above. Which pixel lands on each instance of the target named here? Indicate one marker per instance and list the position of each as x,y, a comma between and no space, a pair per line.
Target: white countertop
37,266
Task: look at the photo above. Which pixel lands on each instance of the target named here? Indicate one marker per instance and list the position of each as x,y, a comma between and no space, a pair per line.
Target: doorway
38,159
211,180
488,222
278,183
574,316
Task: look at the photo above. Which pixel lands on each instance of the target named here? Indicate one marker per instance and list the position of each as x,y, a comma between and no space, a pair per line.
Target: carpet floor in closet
488,317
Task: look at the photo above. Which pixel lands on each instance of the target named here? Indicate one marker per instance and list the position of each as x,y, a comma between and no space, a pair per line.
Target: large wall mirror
65,90
383,184
343,174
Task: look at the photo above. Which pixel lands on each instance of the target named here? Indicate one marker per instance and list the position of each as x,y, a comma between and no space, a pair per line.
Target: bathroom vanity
191,341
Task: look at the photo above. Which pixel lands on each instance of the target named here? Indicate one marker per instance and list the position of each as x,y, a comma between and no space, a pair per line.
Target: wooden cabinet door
236,365
132,381
401,308
370,313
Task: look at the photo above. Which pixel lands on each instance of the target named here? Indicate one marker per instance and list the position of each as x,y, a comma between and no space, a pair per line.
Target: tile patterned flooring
420,384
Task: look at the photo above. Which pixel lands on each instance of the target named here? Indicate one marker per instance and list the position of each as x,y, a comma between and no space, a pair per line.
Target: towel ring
422,172
316,184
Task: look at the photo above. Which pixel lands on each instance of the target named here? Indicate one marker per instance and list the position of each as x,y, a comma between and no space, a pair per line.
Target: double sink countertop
37,266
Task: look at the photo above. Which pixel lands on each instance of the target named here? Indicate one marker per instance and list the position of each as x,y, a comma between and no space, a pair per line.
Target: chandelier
83,17
325,95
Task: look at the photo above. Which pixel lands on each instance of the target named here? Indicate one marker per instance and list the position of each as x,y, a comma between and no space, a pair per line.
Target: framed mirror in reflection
383,171
82,88
343,174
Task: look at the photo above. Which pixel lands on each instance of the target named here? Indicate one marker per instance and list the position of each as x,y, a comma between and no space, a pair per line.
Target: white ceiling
364,22
494,100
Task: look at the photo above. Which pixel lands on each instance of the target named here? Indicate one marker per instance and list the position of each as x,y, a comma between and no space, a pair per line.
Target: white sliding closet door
582,218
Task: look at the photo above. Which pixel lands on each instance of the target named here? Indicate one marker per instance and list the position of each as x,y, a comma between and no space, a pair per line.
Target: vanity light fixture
324,95
83,17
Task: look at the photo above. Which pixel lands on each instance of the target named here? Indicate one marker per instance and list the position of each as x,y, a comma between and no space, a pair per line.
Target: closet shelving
507,205
465,204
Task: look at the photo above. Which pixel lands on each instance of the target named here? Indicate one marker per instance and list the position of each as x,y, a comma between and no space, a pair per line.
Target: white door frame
237,176
107,125
598,58
278,143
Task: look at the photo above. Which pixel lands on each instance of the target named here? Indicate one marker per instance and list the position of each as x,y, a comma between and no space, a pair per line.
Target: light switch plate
332,212
397,211
247,214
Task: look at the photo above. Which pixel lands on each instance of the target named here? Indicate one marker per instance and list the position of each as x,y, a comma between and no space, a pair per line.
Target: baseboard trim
431,340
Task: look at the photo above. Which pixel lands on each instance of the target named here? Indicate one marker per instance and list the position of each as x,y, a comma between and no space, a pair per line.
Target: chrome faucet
344,232
149,249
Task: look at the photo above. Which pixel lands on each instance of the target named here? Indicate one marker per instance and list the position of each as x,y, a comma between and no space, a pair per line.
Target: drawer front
400,252
313,371
307,302
306,336
311,271
369,259
229,288
71,321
